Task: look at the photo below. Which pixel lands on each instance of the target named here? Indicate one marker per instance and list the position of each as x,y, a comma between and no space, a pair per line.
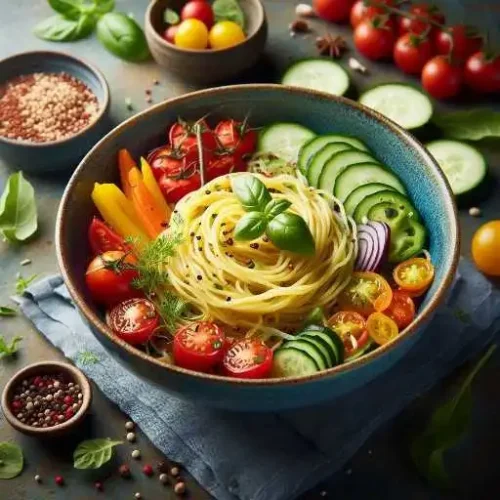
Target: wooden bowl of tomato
205,50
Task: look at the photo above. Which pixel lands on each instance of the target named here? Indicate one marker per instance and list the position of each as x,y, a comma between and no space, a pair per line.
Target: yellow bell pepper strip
150,182
152,217
108,201
125,164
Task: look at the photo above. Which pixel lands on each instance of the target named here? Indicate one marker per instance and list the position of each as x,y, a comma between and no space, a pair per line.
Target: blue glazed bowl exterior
57,155
264,104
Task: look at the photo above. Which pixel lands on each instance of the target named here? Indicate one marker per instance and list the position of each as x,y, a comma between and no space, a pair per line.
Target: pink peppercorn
17,405
38,381
148,470
59,480
69,413
68,400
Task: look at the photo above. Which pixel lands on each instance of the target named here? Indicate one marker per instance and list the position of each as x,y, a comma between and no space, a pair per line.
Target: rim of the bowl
82,62
261,12
74,373
411,330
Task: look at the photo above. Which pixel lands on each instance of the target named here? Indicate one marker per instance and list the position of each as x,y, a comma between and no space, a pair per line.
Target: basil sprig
286,230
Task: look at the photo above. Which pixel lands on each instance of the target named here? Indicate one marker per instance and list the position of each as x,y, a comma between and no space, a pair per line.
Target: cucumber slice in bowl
400,207
291,362
463,165
284,140
362,192
317,74
408,107
317,162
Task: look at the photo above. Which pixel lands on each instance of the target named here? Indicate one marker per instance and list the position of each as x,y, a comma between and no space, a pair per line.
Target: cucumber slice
361,192
362,174
284,140
327,340
399,206
317,74
464,166
320,346
317,162
408,107
307,348
337,164
291,362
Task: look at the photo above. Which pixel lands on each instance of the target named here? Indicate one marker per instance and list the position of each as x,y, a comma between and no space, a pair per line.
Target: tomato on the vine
103,239
134,320
375,38
419,22
182,137
482,72
336,11
460,41
402,309
198,9
411,53
248,359
441,78
171,162
236,136
109,277
224,164
360,11
199,346
176,187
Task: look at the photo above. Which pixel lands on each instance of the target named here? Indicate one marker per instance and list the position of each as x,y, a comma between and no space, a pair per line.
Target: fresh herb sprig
6,312
23,283
9,348
286,230
171,307
94,453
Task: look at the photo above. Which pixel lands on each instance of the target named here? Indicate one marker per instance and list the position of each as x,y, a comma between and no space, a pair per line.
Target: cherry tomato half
411,53
460,41
199,346
134,320
401,310
486,248
109,277
236,136
366,293
414,275
350,326
482,73
198,9
248,359
375,39
381,328
191,34
103,239
336,11
441,78
225,34
417,25
361,11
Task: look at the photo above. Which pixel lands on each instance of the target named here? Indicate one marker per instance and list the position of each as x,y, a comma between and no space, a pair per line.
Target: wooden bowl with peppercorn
209,52
46,399
53,109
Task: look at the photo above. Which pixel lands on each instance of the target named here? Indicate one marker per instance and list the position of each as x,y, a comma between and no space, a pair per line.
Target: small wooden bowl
206,66
45,368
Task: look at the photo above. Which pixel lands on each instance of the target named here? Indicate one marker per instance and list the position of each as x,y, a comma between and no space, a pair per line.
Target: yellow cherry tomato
381,328
191,34
414,275
486,248
225,34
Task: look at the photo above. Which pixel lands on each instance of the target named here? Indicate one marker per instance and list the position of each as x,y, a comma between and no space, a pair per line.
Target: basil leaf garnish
93,453
276,207
250,226
251,192
228,10
171,17
290,232
12,459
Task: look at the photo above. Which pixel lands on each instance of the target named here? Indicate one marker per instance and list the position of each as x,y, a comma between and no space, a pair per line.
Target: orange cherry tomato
381,328
486,248
351,328
414,275
366,293
401,310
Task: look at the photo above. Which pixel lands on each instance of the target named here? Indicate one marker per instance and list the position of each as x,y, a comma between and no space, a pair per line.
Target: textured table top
381,469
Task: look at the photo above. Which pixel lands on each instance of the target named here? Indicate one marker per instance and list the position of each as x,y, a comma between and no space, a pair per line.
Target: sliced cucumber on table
361,192
317,74
408,107
363,174
317,162
402,206
337,164
284,140
464,166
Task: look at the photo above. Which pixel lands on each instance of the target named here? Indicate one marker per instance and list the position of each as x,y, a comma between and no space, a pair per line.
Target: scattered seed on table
323,493
129,425
98,486
128,103
138,495
130,437
475,212
162,466
148,91
149,100
163,478
124,471
25,262
180,488
136,454
174,471
38,479
59,480
147,470
348,472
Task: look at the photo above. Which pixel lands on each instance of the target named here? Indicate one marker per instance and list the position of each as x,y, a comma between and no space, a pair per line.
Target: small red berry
98,486
38,381
69,413
59,480
148,470
68,400
17,405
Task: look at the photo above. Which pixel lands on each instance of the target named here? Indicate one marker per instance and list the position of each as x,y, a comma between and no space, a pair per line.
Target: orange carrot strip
125,164
153,188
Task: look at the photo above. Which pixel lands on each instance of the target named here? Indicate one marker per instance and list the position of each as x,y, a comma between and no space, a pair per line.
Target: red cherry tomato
175,188
199,346
134,320
460,40
103,239
351,328
418,25
336,11
401,310
441,78
482,73
224,164
182,136
248,359
374,40
236,136
411,53
167,161
198,9
169,33
362,12
109,277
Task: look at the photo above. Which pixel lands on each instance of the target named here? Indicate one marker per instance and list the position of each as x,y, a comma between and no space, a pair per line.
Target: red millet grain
44,107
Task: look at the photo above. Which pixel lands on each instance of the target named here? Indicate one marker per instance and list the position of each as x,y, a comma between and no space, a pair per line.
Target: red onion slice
373,245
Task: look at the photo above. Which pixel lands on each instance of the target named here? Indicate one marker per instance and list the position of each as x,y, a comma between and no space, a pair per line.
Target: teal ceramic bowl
65,154
264,104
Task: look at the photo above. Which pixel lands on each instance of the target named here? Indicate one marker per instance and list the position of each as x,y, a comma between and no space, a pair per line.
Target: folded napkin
273,456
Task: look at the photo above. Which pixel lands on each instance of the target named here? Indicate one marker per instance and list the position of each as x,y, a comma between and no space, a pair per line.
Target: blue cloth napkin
273,456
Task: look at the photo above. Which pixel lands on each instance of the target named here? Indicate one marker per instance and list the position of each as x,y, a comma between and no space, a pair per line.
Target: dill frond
171,308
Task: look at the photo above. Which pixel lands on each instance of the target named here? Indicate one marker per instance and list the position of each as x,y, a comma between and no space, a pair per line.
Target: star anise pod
331,46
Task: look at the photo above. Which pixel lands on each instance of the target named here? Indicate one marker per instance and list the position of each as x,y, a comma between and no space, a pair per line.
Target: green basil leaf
251,192
70,9
122,36
472,125
7,311
228,10
18,216
12,460
275,207
290,232
23,283
250,227
104,6
93,453
60,29
11,348
171,17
